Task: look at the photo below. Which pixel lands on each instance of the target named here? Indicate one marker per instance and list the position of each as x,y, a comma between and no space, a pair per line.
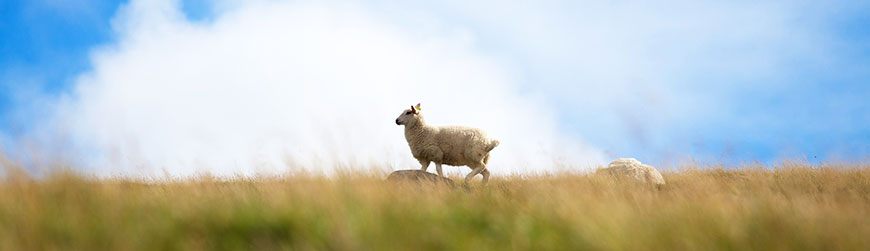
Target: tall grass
789,207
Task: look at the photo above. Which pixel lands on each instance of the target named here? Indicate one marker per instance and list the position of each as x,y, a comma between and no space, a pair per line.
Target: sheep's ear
413,110
418,106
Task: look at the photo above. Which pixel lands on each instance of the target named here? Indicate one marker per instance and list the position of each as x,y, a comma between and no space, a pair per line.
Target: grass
789,207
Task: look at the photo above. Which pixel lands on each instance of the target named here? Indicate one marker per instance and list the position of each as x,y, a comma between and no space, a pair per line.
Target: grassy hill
788,207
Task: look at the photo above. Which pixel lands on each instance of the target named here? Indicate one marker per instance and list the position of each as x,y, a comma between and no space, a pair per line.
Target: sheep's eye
407,113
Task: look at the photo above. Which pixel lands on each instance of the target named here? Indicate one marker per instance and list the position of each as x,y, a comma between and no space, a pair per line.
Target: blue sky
729,82
44,47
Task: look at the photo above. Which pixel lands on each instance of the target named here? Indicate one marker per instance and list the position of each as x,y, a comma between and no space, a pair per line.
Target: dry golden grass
792,206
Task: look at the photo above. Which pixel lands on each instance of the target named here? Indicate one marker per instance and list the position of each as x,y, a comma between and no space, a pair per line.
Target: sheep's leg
476,170
485,174
425,165
438,169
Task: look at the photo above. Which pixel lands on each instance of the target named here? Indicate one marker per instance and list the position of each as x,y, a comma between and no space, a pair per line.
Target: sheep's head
409,117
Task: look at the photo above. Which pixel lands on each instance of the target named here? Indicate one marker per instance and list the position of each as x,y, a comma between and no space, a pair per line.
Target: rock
630,167
418,176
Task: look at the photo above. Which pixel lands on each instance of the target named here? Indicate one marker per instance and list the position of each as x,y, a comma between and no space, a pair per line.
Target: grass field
788,207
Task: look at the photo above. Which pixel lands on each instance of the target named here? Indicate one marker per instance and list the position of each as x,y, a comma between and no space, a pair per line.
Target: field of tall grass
785,207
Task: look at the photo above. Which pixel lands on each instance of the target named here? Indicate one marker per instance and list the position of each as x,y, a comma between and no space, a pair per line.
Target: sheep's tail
492,144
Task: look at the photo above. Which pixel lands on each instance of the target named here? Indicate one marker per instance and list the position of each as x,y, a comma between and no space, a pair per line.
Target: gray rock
419,176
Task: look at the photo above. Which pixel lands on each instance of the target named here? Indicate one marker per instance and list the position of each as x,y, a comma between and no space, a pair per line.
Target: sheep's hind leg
485,174
475,170
438,169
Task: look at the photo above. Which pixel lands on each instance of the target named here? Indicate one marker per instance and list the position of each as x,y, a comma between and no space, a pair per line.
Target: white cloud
322,81
647,79
315,85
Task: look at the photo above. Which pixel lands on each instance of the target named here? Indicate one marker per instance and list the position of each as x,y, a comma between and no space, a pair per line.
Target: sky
264,86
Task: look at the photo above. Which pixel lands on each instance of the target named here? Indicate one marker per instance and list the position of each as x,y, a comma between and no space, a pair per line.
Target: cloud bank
720,81
260,85
272,86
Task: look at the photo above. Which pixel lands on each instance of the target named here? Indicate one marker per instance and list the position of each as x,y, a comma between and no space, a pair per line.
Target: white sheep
630,167
449,145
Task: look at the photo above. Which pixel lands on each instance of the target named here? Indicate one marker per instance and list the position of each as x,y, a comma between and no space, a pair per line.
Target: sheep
448,145
630,167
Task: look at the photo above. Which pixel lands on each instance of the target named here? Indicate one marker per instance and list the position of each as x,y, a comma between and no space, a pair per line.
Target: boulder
630,167
419,176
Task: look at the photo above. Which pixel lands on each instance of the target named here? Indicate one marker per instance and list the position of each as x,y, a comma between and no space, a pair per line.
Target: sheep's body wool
630,167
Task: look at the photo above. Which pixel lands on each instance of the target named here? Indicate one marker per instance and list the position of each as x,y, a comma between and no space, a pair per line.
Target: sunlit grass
792,206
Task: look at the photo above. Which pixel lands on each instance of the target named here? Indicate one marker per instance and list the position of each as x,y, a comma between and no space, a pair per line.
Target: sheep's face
408,117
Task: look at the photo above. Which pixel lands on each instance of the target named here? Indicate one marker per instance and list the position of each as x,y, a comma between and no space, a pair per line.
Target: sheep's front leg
438,169
425,165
